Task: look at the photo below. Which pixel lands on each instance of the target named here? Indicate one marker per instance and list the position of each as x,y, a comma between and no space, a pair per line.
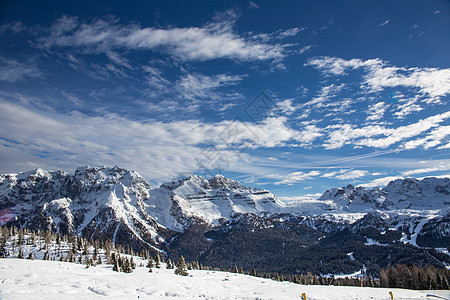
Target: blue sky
292,96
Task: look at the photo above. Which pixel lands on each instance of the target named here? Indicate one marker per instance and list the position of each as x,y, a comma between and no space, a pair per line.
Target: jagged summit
196,198
408,193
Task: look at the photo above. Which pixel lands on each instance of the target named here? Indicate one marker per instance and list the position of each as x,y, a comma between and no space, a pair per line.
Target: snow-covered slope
26,279
197,199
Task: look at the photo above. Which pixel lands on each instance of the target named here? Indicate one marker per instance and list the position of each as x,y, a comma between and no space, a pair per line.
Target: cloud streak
12,70
214,40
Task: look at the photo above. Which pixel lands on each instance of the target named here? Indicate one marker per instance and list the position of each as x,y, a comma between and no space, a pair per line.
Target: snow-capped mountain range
102,202
117,204
78,202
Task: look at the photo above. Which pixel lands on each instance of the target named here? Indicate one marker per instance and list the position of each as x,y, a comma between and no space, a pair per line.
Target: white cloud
253,5
431,82
384,23
346,174
378,136
433,139
296,177
12,70
441,167
338,66
308,135
325,94
198,86
155,149
286,106
342,134
380,181
14,27
376,111
211,41
404,132
407,107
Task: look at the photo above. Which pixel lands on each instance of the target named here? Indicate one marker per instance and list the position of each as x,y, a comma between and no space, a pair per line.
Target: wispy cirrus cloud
444,166
12,70
295,177
214,40
346,174
14,27
198,86
382,181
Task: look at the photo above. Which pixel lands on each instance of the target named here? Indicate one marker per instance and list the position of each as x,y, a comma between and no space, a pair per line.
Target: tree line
83,251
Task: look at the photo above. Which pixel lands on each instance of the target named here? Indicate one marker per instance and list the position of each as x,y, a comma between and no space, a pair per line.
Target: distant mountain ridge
117,204
408,193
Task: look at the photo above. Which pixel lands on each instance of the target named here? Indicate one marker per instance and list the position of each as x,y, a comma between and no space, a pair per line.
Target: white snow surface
27,279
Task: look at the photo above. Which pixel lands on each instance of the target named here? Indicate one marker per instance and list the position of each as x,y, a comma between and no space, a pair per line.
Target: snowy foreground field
26,279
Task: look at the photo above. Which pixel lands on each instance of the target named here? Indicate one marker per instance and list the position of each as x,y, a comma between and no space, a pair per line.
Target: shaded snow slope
25,279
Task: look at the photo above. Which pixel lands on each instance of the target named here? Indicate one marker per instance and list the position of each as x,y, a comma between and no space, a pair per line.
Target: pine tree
438,281
157,261
276,277
116,264
391,278
433,284
181,267
445,285
126,267
169,264
30,256
20,254
3,250
132,264
253,272
46,256
235,269
241,270
150,264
